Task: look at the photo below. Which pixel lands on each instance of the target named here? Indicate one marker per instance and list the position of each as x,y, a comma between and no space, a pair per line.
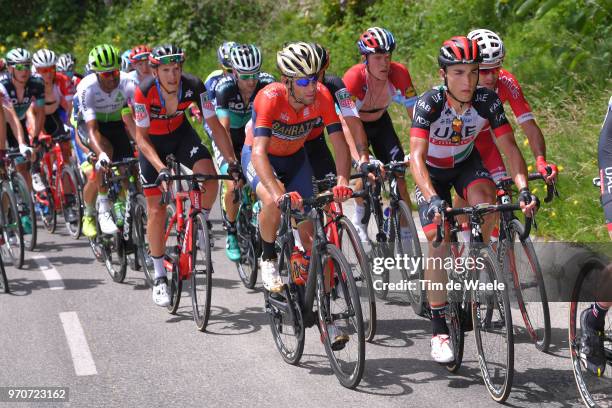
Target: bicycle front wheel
248,244
492,321
27,212
71,202
339,307
12,231
521,262
201,272
141,240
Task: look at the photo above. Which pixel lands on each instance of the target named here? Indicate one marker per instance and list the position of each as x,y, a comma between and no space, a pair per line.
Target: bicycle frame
54,148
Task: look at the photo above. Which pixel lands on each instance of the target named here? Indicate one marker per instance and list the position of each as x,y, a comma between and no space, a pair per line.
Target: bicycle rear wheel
352,249
141,241
340,306
25,205
521,262
12,231
71,203
594,391
249,250
3,279
201,272
492,321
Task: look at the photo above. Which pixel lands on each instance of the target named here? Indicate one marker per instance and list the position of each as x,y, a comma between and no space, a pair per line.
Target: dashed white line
53,277
79,349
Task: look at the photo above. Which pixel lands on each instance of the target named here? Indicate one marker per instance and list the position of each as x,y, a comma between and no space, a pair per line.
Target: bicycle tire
348,288
417,296
25,204
592,389
535,312
246,233
361,273
49,219
201,272
142,246
280,320
454,321
11,227
4,286
495,304
175,286
74,228
114,257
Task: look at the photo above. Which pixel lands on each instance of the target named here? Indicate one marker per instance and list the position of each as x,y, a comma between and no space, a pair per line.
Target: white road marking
53,277
79,349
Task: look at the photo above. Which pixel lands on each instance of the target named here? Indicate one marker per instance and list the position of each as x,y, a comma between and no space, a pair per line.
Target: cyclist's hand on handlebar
528,202
546,169
103,160
435,208
342,193
294,196
25,150
234,169
162,179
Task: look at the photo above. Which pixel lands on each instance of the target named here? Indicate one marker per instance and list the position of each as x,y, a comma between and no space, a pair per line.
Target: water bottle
256,210
127,220
386,216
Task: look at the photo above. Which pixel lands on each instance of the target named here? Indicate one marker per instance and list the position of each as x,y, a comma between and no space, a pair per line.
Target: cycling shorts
469,172
293,171
320,158
186,146
383,139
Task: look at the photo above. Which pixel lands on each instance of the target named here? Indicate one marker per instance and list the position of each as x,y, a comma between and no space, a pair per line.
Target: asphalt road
66,324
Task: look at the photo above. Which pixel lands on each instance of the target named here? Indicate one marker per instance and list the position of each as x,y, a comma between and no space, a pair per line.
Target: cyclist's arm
518,168
343,157
262,166
2,129
356,138
95,137
222,138
36,119
418,155
128,120
13,121
224,120
535,137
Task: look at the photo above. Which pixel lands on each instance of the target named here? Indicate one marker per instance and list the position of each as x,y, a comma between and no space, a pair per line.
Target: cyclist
447,120
66,65
3,68
593,318
492,76
161,129
139,61
24,90
376,83
283,116
126,65
102,100
234,95
211,82
320,157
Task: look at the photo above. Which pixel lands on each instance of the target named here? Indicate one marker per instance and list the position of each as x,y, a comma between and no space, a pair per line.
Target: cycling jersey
372,103
229,102
208,106
62,92
605,165
508,89
433,117
150,107
4,97
274,117
95,104
345,105
34,93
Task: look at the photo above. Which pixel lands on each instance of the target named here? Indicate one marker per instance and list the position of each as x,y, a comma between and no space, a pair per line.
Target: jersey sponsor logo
421,121
495,105
424,105
284,116
271,92
344,99
306,112
437,97
189,93
119,98
481,97
482,174
511,85
140,112
294,131
193,151
468,132
501,117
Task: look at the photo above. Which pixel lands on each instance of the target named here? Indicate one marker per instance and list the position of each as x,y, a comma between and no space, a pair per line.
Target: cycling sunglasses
304,82
22,67
140,57
246,77
488,71
109,74
45,70
169,59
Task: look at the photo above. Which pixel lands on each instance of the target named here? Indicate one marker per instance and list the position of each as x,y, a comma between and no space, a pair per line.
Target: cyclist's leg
21,165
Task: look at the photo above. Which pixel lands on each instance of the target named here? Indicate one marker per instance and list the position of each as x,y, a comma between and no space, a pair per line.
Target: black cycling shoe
591,346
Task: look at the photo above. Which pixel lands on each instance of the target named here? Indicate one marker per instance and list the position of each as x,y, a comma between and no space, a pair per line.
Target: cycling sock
359,212
598,316
103,201
268,251
231,228
438,320
90,210
158,264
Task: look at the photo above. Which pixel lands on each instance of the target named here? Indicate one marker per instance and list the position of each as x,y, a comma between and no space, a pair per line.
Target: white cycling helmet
44,58
65,63
18,56
298,59
491,47
245,58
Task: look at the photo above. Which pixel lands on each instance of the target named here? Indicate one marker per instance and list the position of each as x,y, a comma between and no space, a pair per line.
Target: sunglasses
488,71
246,77
140,57
22,67
169,59
45,70
304,82
109,74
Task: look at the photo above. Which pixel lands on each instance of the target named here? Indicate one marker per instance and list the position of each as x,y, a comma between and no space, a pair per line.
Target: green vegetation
558,49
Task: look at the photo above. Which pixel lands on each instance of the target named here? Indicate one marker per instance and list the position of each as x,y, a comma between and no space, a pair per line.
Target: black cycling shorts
383,139
469,172
186,146
320,158
54,125
115,133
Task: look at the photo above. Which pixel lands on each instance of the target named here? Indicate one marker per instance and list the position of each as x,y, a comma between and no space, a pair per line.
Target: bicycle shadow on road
399,333
223,321
559,346
24,287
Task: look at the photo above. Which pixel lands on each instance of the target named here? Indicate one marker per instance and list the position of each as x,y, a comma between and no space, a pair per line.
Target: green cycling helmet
104,57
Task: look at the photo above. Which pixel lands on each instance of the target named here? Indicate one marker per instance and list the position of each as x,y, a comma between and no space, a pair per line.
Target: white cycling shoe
107,225
37,183
270,276
161,297
441,351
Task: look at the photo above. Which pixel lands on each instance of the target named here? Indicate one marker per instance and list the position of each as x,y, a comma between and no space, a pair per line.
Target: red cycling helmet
140,53
459,50
376,40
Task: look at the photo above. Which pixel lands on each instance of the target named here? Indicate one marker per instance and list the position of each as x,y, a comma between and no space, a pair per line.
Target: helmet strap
292,93
451,94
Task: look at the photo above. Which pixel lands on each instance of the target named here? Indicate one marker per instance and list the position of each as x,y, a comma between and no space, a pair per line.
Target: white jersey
96,104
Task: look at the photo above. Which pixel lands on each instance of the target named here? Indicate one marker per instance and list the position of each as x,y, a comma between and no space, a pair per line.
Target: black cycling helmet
166,54
459,50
